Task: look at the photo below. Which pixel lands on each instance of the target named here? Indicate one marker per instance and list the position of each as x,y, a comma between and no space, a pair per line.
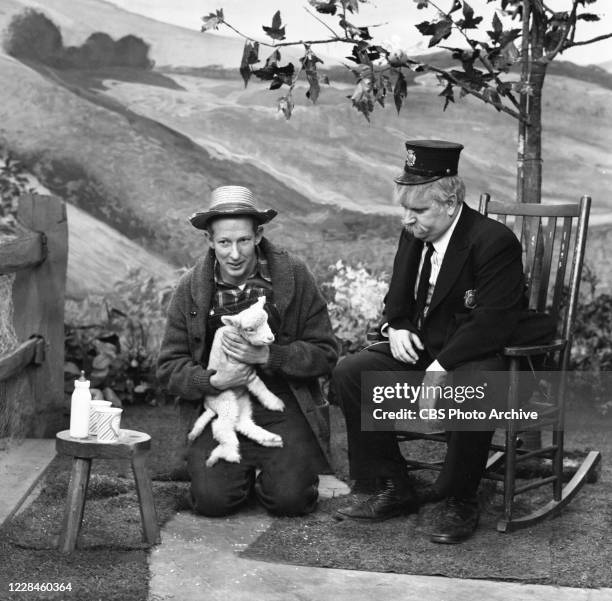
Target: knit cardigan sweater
305,347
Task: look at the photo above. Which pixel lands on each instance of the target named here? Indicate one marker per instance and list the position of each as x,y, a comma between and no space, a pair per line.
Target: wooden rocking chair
552,237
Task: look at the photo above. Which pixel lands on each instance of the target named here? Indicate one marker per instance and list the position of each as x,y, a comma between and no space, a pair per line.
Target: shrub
355,303
99,49
592,342
132,51
32,35
14,182
116,338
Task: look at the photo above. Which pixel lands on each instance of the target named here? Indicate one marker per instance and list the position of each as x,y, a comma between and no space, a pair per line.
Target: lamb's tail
200,424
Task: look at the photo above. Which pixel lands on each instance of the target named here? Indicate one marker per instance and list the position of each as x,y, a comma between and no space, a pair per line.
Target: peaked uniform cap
428,161
231,201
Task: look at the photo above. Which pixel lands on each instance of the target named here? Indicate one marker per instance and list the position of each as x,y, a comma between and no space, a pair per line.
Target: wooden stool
131,445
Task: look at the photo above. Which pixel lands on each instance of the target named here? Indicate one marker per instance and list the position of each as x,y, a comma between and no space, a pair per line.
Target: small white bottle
79,408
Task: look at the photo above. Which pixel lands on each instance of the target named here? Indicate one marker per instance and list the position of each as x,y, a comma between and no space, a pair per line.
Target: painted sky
395,20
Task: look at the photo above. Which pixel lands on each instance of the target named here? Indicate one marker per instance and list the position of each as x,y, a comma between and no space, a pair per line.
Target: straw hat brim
200,220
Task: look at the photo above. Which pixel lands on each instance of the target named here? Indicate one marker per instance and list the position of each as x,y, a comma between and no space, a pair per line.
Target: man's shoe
395,497
367,486
456,521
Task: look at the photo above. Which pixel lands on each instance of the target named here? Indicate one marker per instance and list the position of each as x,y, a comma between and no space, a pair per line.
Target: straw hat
231,201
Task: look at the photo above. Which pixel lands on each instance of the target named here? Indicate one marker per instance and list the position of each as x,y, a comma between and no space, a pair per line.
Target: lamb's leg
228,448
250,429
268,399
200,424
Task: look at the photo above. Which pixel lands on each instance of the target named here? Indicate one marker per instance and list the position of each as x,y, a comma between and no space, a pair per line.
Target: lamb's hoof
276,405
191,436
229,457
273,441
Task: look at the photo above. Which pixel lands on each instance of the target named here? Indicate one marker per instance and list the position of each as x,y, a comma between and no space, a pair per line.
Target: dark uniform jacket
478,304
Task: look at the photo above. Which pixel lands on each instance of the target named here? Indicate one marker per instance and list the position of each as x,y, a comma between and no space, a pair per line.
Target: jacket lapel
400,300
456,254
283,283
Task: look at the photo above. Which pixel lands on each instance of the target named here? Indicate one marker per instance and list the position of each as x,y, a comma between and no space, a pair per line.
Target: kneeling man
239,267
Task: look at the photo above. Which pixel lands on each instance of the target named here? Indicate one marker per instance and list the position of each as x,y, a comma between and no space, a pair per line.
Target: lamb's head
252,323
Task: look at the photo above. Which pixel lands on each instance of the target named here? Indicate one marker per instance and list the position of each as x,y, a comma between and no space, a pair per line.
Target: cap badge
411,159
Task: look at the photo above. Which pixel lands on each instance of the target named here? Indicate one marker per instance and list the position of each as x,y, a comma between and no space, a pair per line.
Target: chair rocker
545,233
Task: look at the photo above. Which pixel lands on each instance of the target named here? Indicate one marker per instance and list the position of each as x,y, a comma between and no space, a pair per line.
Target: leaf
362,97
493,97
310,59
400,91
272,72
276,31
250,56
212,20
354,32
328,8
440,30
314,88
448,95
350,5
285,104
468,21
588,17
422,4
497,28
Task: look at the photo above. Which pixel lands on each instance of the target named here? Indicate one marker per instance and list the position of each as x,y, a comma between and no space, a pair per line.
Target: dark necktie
423,288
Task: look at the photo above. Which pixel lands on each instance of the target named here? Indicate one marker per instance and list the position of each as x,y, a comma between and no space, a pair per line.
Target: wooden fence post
38,301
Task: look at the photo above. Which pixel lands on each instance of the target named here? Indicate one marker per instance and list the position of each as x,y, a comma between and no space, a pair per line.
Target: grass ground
111,561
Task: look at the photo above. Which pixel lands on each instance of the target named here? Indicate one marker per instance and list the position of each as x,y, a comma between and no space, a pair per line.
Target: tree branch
599,38
450,78
321,21
566,30
295,43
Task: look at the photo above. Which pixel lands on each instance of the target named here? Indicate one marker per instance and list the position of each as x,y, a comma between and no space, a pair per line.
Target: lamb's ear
228,320
261,301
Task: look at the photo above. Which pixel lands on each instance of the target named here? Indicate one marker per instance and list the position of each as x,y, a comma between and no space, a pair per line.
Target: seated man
455,299
241,266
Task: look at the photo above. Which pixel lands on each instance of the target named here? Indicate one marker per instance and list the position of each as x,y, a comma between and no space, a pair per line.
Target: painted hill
141,151
170,45
99,256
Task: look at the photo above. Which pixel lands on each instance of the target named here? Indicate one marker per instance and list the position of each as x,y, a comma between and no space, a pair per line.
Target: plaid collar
262,270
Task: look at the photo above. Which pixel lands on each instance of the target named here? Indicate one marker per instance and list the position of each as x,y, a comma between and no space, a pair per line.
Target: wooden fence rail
38,258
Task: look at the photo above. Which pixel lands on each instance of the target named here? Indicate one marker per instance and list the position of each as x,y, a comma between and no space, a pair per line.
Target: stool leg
144,489
75,504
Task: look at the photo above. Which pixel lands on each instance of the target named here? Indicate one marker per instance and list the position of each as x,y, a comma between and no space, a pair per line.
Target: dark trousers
377,454
288,480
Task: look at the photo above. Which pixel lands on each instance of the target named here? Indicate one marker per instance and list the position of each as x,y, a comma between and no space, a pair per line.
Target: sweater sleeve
176,369
314,350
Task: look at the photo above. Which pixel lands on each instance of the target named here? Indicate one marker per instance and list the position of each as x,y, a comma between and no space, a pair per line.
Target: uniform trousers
287,481
377,454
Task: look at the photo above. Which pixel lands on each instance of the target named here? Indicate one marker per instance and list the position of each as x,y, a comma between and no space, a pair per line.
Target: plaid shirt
229,299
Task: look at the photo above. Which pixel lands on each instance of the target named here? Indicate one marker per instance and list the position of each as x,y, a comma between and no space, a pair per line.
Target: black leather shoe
367,486
395,497
456,521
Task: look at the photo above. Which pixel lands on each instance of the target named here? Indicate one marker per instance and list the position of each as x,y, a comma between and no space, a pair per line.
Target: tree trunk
529,159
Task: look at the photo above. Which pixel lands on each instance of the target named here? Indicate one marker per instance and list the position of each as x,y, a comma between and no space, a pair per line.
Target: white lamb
232,407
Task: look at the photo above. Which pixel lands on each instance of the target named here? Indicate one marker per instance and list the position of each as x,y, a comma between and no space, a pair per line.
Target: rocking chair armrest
535,349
